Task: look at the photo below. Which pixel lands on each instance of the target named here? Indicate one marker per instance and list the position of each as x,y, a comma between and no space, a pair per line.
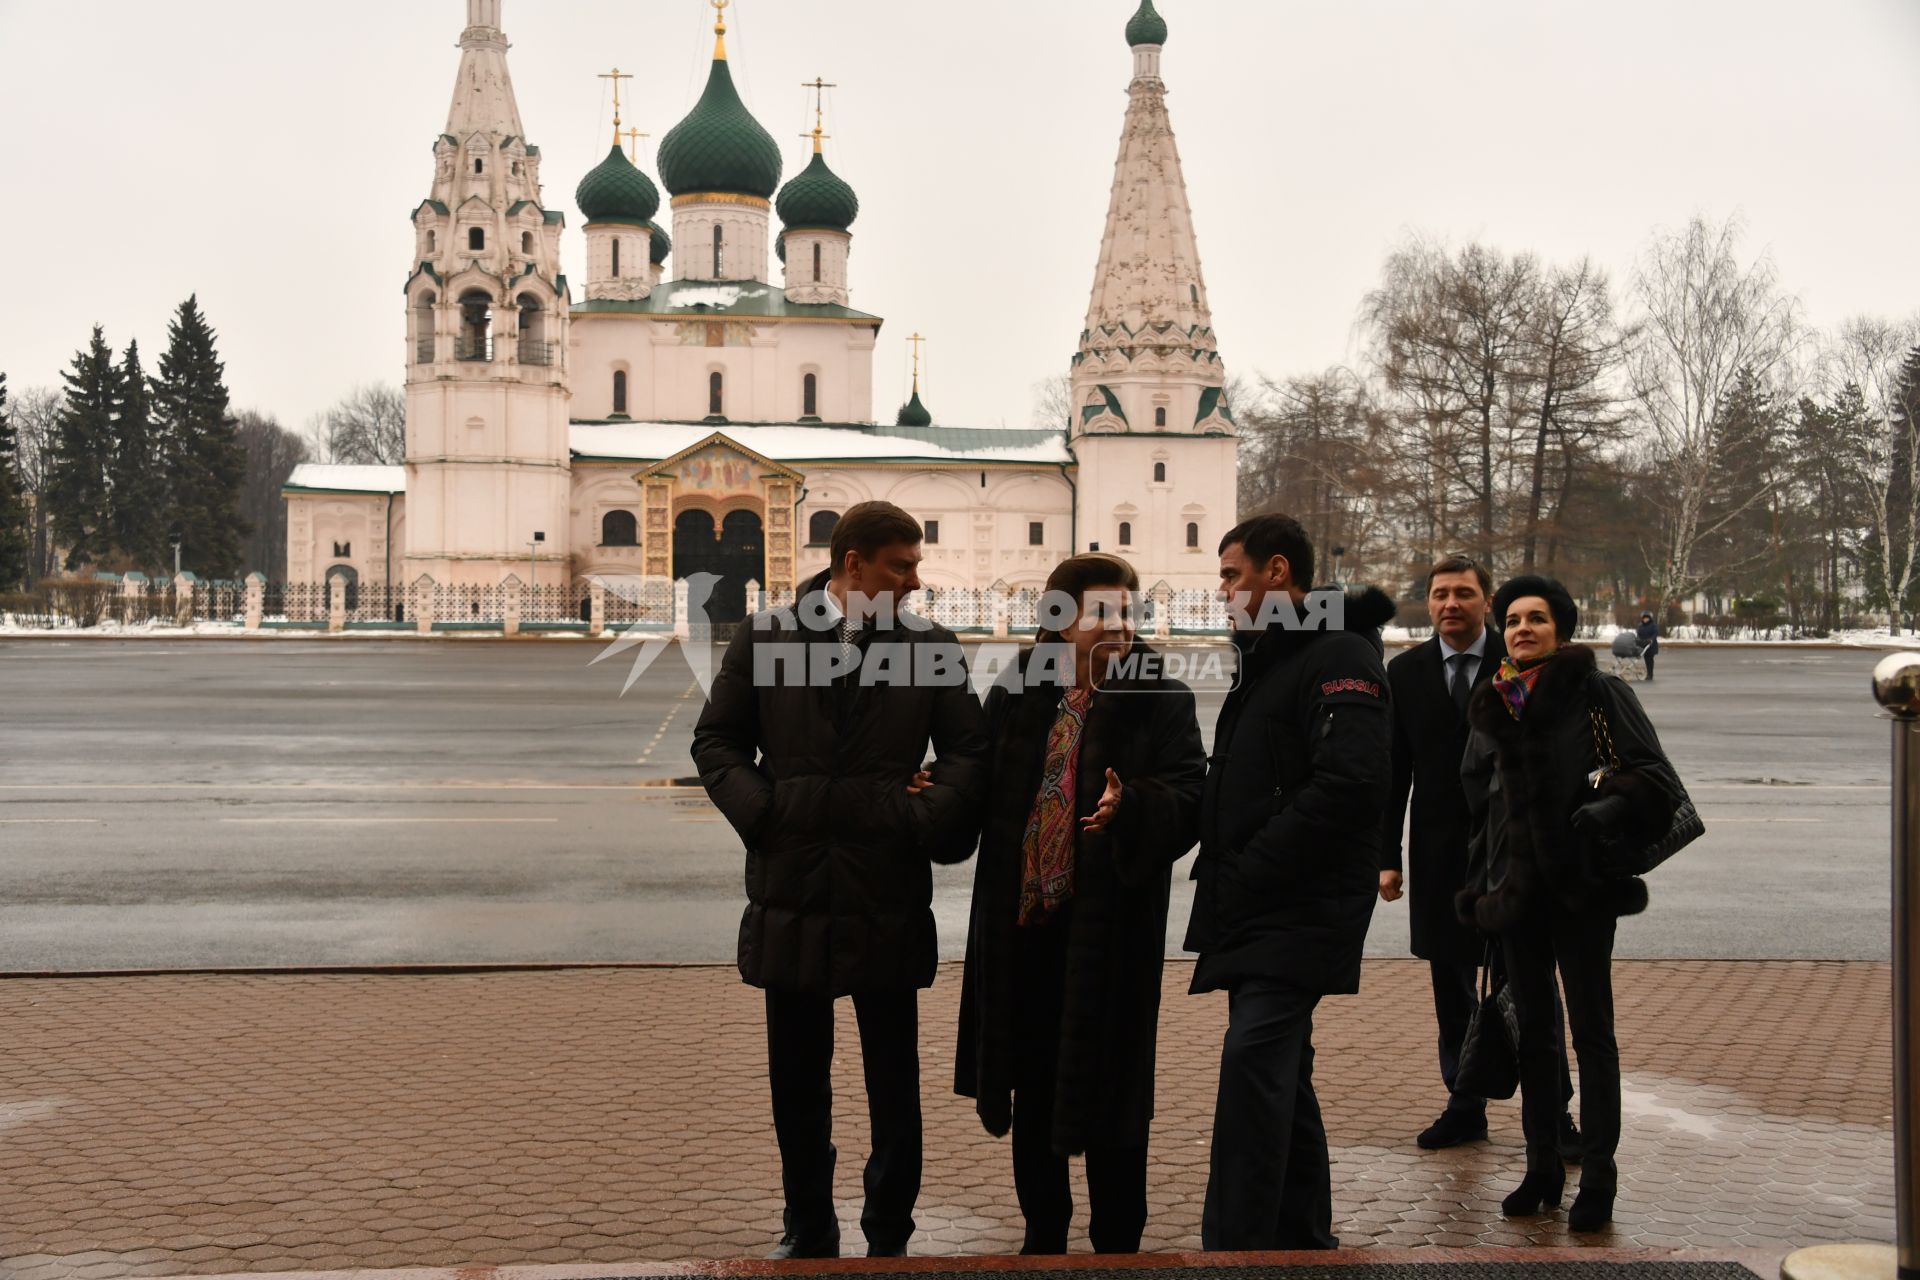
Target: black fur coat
1523,780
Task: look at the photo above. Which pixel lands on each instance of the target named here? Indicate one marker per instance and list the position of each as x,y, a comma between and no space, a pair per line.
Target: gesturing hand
920,782
1109,805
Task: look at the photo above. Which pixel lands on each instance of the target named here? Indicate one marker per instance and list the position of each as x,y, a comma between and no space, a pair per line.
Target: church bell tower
1150,425
487,316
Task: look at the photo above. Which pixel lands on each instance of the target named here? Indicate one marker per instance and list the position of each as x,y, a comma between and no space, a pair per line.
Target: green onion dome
720,146
662,245
780,248
913,413
1146,26
615,191
818,197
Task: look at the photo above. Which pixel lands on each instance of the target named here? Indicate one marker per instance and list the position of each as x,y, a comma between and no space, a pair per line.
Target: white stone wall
831,286
635,277
983,529
1116,483
743,222
316,521
762,363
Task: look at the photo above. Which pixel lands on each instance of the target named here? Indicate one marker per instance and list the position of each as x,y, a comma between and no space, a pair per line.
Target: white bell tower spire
487,319
1150,424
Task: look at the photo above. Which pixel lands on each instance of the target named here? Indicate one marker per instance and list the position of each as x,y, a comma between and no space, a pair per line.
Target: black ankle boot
1540,1189
1593,1207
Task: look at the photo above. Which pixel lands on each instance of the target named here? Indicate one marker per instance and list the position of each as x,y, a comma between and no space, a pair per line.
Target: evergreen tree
137,506
78,497
16,539
205,463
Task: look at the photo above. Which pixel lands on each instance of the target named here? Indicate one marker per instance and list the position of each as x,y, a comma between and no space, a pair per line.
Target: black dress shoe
794,1247
1452,1129
1569,1142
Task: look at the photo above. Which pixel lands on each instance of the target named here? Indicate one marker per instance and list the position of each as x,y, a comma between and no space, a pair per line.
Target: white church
688,413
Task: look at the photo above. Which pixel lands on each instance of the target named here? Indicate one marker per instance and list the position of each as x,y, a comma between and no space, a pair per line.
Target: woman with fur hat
1557,830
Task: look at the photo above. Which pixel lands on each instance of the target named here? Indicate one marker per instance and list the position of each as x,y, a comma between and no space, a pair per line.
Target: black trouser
1582,947
1647,657
1456,994
800,1069
1116,1176
1270,1185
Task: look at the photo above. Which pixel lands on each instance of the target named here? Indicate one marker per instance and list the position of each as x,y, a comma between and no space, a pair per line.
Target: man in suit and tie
1430,684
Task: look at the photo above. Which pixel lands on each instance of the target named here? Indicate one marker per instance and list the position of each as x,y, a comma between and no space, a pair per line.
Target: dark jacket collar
1563,684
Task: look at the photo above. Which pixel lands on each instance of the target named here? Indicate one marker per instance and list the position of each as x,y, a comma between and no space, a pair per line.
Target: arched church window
476,325
424,350
1160,416
1159,473
1126,533
526,242
719,251
479,166
534,347
715,399
476,239
821,526
616,259
619,529
1193,292
1193,534
816,264
809,397
433,242
620,392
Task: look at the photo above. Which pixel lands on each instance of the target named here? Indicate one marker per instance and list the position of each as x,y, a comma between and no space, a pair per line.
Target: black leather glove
1602,818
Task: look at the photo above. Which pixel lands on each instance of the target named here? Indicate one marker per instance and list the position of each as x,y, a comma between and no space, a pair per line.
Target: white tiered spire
1149,334
483,99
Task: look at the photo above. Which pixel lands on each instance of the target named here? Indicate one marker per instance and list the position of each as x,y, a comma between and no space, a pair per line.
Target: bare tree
1449,336
368,426
272,454
1571,351
36,412
1314,447
1706,317
1053,401
1868,353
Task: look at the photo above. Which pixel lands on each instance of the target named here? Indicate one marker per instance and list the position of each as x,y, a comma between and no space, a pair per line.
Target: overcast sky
266,153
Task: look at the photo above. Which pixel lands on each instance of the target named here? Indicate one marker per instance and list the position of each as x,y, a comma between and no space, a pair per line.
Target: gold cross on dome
616,75
633,137
916,340
719,29
819,87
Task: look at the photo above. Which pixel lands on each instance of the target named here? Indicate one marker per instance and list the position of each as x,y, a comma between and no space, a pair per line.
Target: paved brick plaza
176,1124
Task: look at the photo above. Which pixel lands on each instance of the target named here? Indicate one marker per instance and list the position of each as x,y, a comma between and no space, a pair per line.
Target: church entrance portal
736,552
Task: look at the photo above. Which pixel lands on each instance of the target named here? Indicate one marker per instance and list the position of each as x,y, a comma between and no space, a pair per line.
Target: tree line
1687,443
108,471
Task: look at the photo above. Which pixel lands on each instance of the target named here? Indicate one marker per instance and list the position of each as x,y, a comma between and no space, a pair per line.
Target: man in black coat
1288,870
1431,684
811,745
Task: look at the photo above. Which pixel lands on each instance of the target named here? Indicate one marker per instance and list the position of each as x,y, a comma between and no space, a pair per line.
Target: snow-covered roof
785,442
341,477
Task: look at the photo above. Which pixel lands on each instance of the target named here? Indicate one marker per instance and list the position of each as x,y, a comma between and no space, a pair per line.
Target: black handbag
1686,826
1490,1053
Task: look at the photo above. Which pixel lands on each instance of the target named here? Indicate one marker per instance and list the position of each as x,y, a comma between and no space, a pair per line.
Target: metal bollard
1896,685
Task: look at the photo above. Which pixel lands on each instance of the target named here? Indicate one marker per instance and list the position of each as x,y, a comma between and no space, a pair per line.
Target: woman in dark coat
1556,832
1097,778
1648,633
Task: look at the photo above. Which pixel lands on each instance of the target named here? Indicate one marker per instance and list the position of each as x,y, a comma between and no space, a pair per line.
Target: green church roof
615,191
1146,26
720,146
913,413
818,197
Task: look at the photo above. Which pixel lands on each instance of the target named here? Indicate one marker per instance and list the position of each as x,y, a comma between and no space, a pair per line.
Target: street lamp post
533,564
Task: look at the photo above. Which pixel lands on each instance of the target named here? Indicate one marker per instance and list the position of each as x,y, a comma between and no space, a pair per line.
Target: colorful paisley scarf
1515,683
1047,847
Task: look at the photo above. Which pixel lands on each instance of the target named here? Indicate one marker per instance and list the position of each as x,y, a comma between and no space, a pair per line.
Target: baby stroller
1629,661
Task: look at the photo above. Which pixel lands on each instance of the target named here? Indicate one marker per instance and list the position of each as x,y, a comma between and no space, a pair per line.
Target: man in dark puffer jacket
823,781
1288,867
